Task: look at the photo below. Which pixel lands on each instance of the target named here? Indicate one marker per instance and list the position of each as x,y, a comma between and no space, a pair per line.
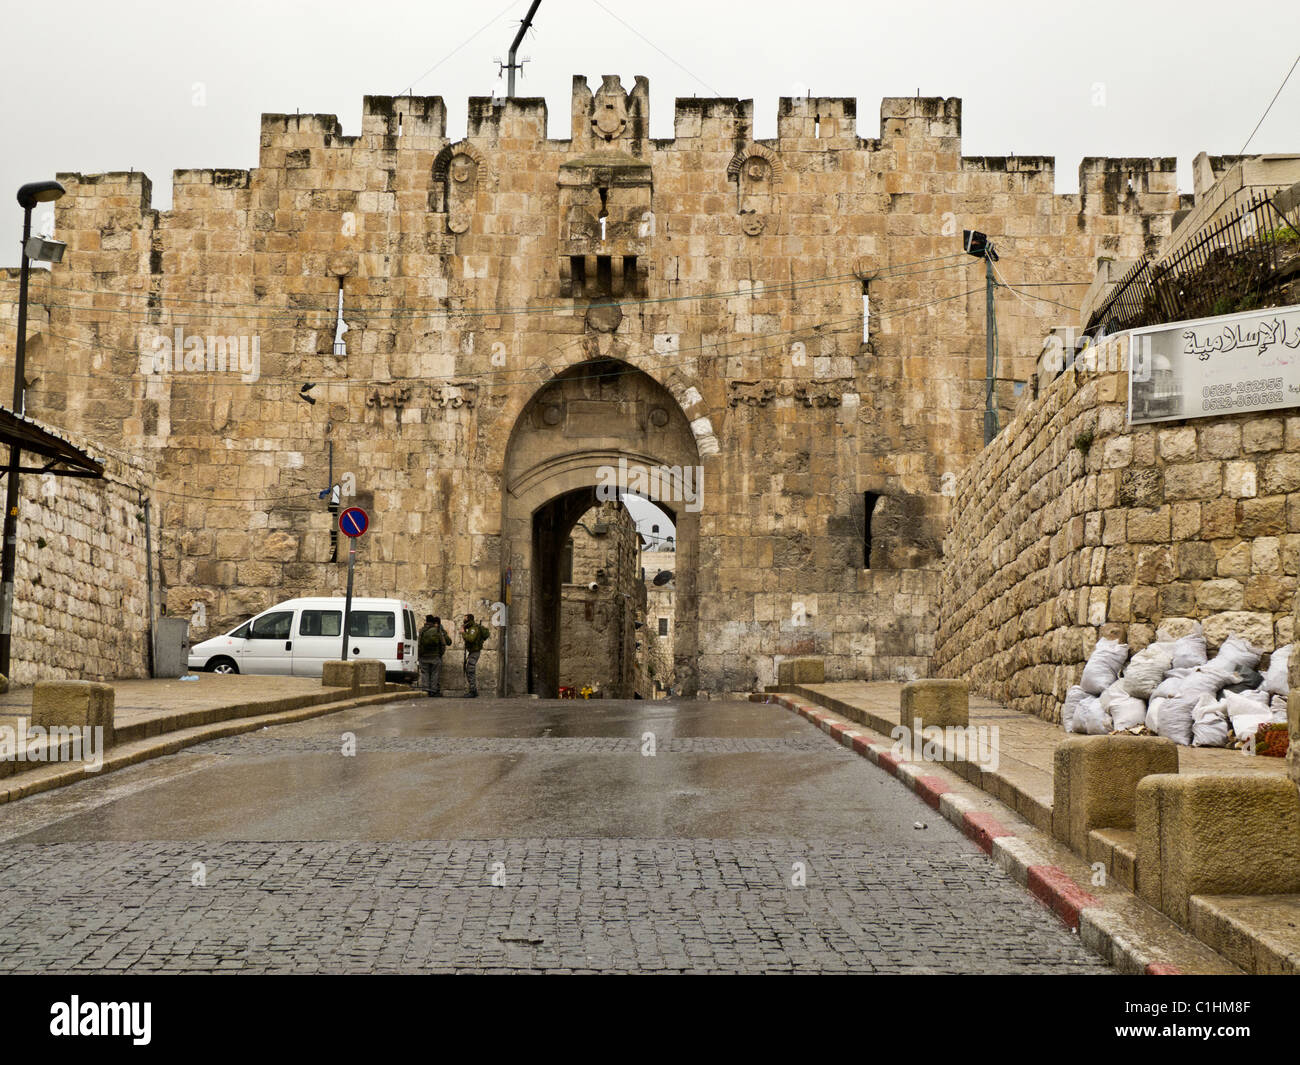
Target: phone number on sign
1244,394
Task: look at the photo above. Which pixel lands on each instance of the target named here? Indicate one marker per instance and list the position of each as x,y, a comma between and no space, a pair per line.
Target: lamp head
35,192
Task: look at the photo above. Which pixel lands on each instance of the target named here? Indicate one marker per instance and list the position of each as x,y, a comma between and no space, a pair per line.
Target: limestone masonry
526,317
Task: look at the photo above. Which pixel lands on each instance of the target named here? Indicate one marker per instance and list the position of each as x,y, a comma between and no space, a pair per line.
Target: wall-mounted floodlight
44,250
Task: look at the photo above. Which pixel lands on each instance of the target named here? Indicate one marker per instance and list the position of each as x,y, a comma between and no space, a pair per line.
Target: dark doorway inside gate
552,524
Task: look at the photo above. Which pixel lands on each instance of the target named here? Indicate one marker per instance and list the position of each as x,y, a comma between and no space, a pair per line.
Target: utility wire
494,19
770,289
811,333
1270,105
656,47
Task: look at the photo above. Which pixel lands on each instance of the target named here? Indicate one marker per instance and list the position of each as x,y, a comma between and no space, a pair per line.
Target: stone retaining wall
1070,526
80,597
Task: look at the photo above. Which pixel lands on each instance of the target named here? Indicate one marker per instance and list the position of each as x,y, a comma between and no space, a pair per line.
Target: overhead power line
1270,105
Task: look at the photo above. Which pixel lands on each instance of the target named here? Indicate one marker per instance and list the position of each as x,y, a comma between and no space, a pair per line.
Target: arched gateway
599,427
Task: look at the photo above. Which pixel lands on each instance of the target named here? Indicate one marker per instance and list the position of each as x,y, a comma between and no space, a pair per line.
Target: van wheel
222,665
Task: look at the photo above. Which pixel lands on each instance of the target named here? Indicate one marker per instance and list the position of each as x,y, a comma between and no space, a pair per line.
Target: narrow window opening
604,211
399,123
605,274
578,274
866,313
870,500
566,562
340,326
817,126
663,626
630,281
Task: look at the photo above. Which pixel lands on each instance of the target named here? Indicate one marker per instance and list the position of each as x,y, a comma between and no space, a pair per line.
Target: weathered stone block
1096,779
74,703
801,671
935,702
1255,627
339,674
369,675
1215,834
1194,480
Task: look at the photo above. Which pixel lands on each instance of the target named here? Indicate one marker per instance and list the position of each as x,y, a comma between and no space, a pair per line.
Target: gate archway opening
600,429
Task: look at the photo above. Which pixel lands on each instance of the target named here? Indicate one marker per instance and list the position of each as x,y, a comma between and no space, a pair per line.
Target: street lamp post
28,197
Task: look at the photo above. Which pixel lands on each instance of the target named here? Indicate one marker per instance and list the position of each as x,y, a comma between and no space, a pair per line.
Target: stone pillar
941,703
74,704
1215,834
1096,779
801,671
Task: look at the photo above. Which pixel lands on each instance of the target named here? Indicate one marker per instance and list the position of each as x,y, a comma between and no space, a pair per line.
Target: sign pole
353,523
347,603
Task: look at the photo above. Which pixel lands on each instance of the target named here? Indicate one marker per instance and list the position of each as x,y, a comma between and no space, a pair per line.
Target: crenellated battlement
400,157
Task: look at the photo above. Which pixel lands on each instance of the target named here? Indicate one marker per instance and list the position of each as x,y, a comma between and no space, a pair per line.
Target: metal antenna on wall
511,65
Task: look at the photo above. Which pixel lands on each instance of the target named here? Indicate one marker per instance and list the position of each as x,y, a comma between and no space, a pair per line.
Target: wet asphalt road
511,835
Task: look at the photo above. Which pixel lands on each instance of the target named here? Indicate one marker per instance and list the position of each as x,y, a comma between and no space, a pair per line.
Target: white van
297,637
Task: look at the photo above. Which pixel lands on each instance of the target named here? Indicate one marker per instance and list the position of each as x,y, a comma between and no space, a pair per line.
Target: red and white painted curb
1050,884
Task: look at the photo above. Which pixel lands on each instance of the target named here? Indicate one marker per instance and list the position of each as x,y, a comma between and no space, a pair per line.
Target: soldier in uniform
475,636
433,641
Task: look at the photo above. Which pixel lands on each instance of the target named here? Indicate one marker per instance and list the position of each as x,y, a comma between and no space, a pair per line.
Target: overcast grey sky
115,85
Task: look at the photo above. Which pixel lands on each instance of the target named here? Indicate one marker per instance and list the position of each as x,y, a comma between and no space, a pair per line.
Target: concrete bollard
74,704
369,675
1095,781
801,671
1215,834
339,674
363,676
941,703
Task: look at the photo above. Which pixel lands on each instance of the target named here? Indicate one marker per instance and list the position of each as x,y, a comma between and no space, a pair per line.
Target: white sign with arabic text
1215,366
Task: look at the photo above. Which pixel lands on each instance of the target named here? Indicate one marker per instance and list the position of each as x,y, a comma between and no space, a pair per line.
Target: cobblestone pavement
772,851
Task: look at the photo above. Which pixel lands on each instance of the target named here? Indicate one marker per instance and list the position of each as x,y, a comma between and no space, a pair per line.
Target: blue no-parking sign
353,522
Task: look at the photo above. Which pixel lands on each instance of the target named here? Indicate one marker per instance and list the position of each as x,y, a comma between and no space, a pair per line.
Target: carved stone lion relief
757,172
458,173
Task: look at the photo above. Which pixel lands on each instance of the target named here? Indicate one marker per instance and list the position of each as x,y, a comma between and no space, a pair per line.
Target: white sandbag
1210,725
1244,726
1172,683
1209,679
1103,666
1275,679
1190,650
1070,711
1247,711
1146,669
1093,719
1237,654
1153,713
1128,712
1176,718
1277,717
1278,705
1246,702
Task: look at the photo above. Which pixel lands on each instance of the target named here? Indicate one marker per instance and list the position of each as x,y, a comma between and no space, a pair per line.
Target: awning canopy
62,458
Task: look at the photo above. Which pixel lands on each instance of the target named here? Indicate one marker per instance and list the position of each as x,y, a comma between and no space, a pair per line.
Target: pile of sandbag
1173,688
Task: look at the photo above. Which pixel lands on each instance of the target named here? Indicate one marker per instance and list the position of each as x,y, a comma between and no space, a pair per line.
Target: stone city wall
80,595
1072,526
476,274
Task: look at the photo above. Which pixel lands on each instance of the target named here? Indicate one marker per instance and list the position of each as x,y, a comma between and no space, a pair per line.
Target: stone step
1261,933
1116,849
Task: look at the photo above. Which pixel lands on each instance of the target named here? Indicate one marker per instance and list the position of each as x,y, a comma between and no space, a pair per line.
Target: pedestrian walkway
1026,745
1258,933
161,716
